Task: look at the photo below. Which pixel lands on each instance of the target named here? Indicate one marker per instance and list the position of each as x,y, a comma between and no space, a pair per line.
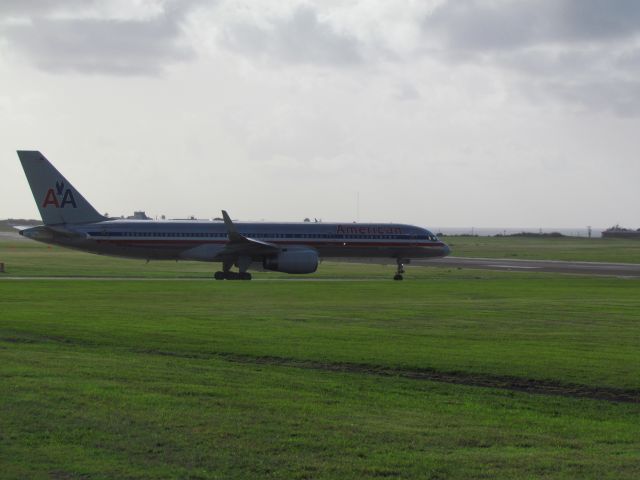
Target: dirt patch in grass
527,385
541,387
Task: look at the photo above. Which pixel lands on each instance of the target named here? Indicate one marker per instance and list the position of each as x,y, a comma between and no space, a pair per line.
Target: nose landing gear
400,270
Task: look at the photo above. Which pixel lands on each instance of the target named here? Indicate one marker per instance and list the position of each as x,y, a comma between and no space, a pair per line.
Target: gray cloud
617,96
470,25
589,20
407,92
39,7
301,38
577,51
99,45
475,25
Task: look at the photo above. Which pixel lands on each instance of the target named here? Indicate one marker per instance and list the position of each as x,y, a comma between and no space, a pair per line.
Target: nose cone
445,250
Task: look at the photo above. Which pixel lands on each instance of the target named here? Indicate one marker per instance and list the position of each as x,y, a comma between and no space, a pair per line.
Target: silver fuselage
204,240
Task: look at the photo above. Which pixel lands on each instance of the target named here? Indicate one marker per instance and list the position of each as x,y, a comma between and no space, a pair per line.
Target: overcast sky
439,113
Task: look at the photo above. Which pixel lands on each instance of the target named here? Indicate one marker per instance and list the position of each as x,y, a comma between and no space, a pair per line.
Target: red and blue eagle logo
60,197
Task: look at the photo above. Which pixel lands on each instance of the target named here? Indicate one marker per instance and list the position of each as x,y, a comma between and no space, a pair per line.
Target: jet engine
299,260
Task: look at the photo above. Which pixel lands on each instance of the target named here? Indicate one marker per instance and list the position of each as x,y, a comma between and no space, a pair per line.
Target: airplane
295,248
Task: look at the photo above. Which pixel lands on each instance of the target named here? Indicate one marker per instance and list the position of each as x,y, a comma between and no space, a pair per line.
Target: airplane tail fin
57,200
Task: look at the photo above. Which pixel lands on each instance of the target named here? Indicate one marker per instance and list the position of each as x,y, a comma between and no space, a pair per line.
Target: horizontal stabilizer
20,228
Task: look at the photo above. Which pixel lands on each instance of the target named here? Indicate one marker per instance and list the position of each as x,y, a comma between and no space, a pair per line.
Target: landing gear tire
232,276
227,274
400,270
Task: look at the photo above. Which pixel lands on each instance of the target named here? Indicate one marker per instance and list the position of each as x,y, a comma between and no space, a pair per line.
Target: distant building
620,232
138,216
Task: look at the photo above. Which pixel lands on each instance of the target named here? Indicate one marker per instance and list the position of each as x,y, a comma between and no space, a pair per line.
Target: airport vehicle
70,221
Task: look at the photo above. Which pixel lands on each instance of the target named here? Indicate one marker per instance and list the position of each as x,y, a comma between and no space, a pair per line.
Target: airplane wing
238,244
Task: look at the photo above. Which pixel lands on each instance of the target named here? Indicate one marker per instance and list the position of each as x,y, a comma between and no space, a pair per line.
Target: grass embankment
139,379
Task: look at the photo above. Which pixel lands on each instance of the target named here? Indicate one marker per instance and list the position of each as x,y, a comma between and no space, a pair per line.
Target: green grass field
615,250
449,374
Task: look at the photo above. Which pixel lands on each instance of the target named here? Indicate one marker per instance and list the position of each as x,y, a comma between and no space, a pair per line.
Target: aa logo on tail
60,197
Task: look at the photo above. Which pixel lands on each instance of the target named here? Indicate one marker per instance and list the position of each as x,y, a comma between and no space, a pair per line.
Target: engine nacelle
299,260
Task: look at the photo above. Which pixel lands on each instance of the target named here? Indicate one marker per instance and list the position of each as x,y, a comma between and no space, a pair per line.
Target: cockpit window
427,235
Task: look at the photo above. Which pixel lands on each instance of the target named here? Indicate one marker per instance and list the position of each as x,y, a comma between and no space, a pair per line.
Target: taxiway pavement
554,266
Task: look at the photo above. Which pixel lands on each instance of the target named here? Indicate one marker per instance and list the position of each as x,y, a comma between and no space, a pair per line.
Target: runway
629,270
183,279
623,270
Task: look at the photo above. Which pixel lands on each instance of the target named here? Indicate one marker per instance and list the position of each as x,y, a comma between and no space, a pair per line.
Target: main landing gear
400,270
242,263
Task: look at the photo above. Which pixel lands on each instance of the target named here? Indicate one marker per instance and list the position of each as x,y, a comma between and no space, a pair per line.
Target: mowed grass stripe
553,329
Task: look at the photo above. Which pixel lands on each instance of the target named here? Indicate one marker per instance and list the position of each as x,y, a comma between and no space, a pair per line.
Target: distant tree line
532,234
